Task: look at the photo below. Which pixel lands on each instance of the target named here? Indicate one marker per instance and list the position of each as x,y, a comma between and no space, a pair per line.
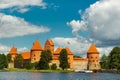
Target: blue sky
61,21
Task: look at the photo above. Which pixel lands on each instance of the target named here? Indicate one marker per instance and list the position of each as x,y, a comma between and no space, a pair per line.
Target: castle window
96,57
34,54
91,57
34,58
93,60
90,60
95,65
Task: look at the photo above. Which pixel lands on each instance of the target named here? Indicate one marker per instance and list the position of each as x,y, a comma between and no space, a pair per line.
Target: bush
53,67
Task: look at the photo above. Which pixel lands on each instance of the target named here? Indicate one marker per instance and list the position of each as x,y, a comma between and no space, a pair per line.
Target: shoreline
50,71
108,71
42,71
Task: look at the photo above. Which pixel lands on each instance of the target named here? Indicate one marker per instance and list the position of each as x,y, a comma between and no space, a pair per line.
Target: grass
25,70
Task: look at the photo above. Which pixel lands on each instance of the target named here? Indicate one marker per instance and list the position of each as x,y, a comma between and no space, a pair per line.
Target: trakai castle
91,62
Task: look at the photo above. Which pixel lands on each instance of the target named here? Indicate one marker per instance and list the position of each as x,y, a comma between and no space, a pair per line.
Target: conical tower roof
50,42
13,50
36,46
92,49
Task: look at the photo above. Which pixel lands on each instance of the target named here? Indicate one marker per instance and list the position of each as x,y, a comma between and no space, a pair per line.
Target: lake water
57,76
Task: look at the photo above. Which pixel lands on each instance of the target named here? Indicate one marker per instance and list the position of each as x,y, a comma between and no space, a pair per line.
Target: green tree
9,57
53,67
29,65
18,62
46,56
63,58
114,58
104,62
3,61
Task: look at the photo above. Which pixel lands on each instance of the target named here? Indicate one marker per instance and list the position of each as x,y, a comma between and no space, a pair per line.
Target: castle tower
49,45
13,52
93,58
36,51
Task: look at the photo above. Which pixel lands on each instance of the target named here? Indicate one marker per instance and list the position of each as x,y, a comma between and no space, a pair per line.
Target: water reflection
57,76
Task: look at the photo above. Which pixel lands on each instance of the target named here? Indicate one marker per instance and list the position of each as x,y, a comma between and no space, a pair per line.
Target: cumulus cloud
76,25
78,47
11,26
5,4
101,22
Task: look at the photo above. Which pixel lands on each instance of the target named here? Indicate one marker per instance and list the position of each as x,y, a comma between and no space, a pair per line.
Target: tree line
42,64
111,61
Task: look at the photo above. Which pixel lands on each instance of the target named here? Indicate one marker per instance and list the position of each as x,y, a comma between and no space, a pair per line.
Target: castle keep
91,62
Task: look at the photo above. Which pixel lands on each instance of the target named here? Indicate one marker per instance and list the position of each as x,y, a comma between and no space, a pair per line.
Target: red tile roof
69,51
13,50
37,46
50,42
92,49
25,55
58,50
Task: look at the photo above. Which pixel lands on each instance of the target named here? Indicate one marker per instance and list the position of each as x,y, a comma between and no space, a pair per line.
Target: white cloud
23,10
101,20
76,25
104,50
5,49
22,49
4,4
11,26
78,47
